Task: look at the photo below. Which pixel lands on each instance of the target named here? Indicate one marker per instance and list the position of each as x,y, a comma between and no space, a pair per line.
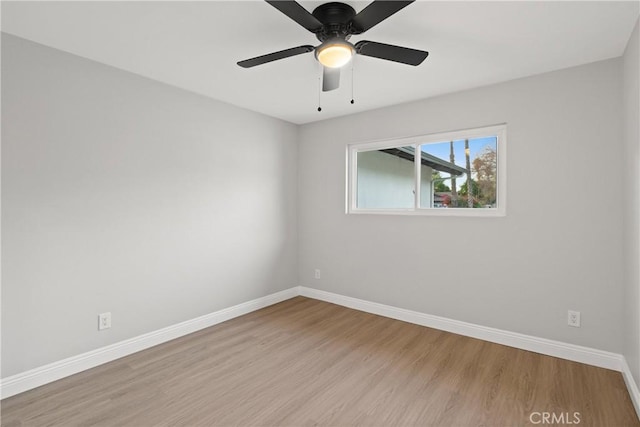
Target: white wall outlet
317,273
573,318
104,321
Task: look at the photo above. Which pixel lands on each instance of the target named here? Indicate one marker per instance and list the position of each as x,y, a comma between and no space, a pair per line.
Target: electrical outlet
573,318
104,321
317,274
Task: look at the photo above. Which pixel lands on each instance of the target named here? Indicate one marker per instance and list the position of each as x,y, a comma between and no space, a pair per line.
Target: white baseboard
54,371
632,386
45,374
559,349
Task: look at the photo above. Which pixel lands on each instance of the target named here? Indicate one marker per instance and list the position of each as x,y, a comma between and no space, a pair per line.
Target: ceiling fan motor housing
336,19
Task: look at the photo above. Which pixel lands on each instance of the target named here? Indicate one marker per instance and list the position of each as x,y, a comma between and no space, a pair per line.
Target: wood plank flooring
305,362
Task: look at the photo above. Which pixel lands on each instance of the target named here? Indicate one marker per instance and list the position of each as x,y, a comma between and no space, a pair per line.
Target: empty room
358,213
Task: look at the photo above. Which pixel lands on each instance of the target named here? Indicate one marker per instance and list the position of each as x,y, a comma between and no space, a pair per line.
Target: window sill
444,212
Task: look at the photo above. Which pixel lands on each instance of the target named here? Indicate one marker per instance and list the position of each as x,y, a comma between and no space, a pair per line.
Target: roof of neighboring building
433,162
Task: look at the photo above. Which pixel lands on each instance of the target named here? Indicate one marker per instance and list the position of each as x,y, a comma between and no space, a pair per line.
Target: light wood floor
306,362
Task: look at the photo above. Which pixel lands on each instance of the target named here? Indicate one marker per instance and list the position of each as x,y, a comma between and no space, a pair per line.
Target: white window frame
499,131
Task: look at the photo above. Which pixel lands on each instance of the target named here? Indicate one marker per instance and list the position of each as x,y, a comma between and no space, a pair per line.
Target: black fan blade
330,79
376,12
390,52
259,60
298,13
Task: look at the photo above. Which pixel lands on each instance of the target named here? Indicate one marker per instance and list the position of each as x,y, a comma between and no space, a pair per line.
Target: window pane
454,166
386,179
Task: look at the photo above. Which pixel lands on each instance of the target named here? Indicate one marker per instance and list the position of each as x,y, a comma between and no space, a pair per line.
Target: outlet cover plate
104,321
573,318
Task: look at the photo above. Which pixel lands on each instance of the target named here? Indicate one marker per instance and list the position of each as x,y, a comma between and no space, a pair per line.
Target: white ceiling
195,46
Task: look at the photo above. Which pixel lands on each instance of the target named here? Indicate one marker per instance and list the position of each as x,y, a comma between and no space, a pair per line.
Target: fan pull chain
352,61
319,92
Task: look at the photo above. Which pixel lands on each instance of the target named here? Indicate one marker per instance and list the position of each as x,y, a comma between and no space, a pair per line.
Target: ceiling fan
333,24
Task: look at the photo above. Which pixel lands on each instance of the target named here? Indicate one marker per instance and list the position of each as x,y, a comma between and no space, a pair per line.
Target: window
453,173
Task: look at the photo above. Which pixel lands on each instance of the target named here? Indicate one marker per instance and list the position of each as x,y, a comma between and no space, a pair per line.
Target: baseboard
45,374
632,386
589,356
54,371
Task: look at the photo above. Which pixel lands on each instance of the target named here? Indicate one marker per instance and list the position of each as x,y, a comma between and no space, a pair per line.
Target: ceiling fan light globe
335,54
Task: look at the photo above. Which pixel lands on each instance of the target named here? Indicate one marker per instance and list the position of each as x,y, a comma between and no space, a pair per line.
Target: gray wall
631,95
122,194
558,248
